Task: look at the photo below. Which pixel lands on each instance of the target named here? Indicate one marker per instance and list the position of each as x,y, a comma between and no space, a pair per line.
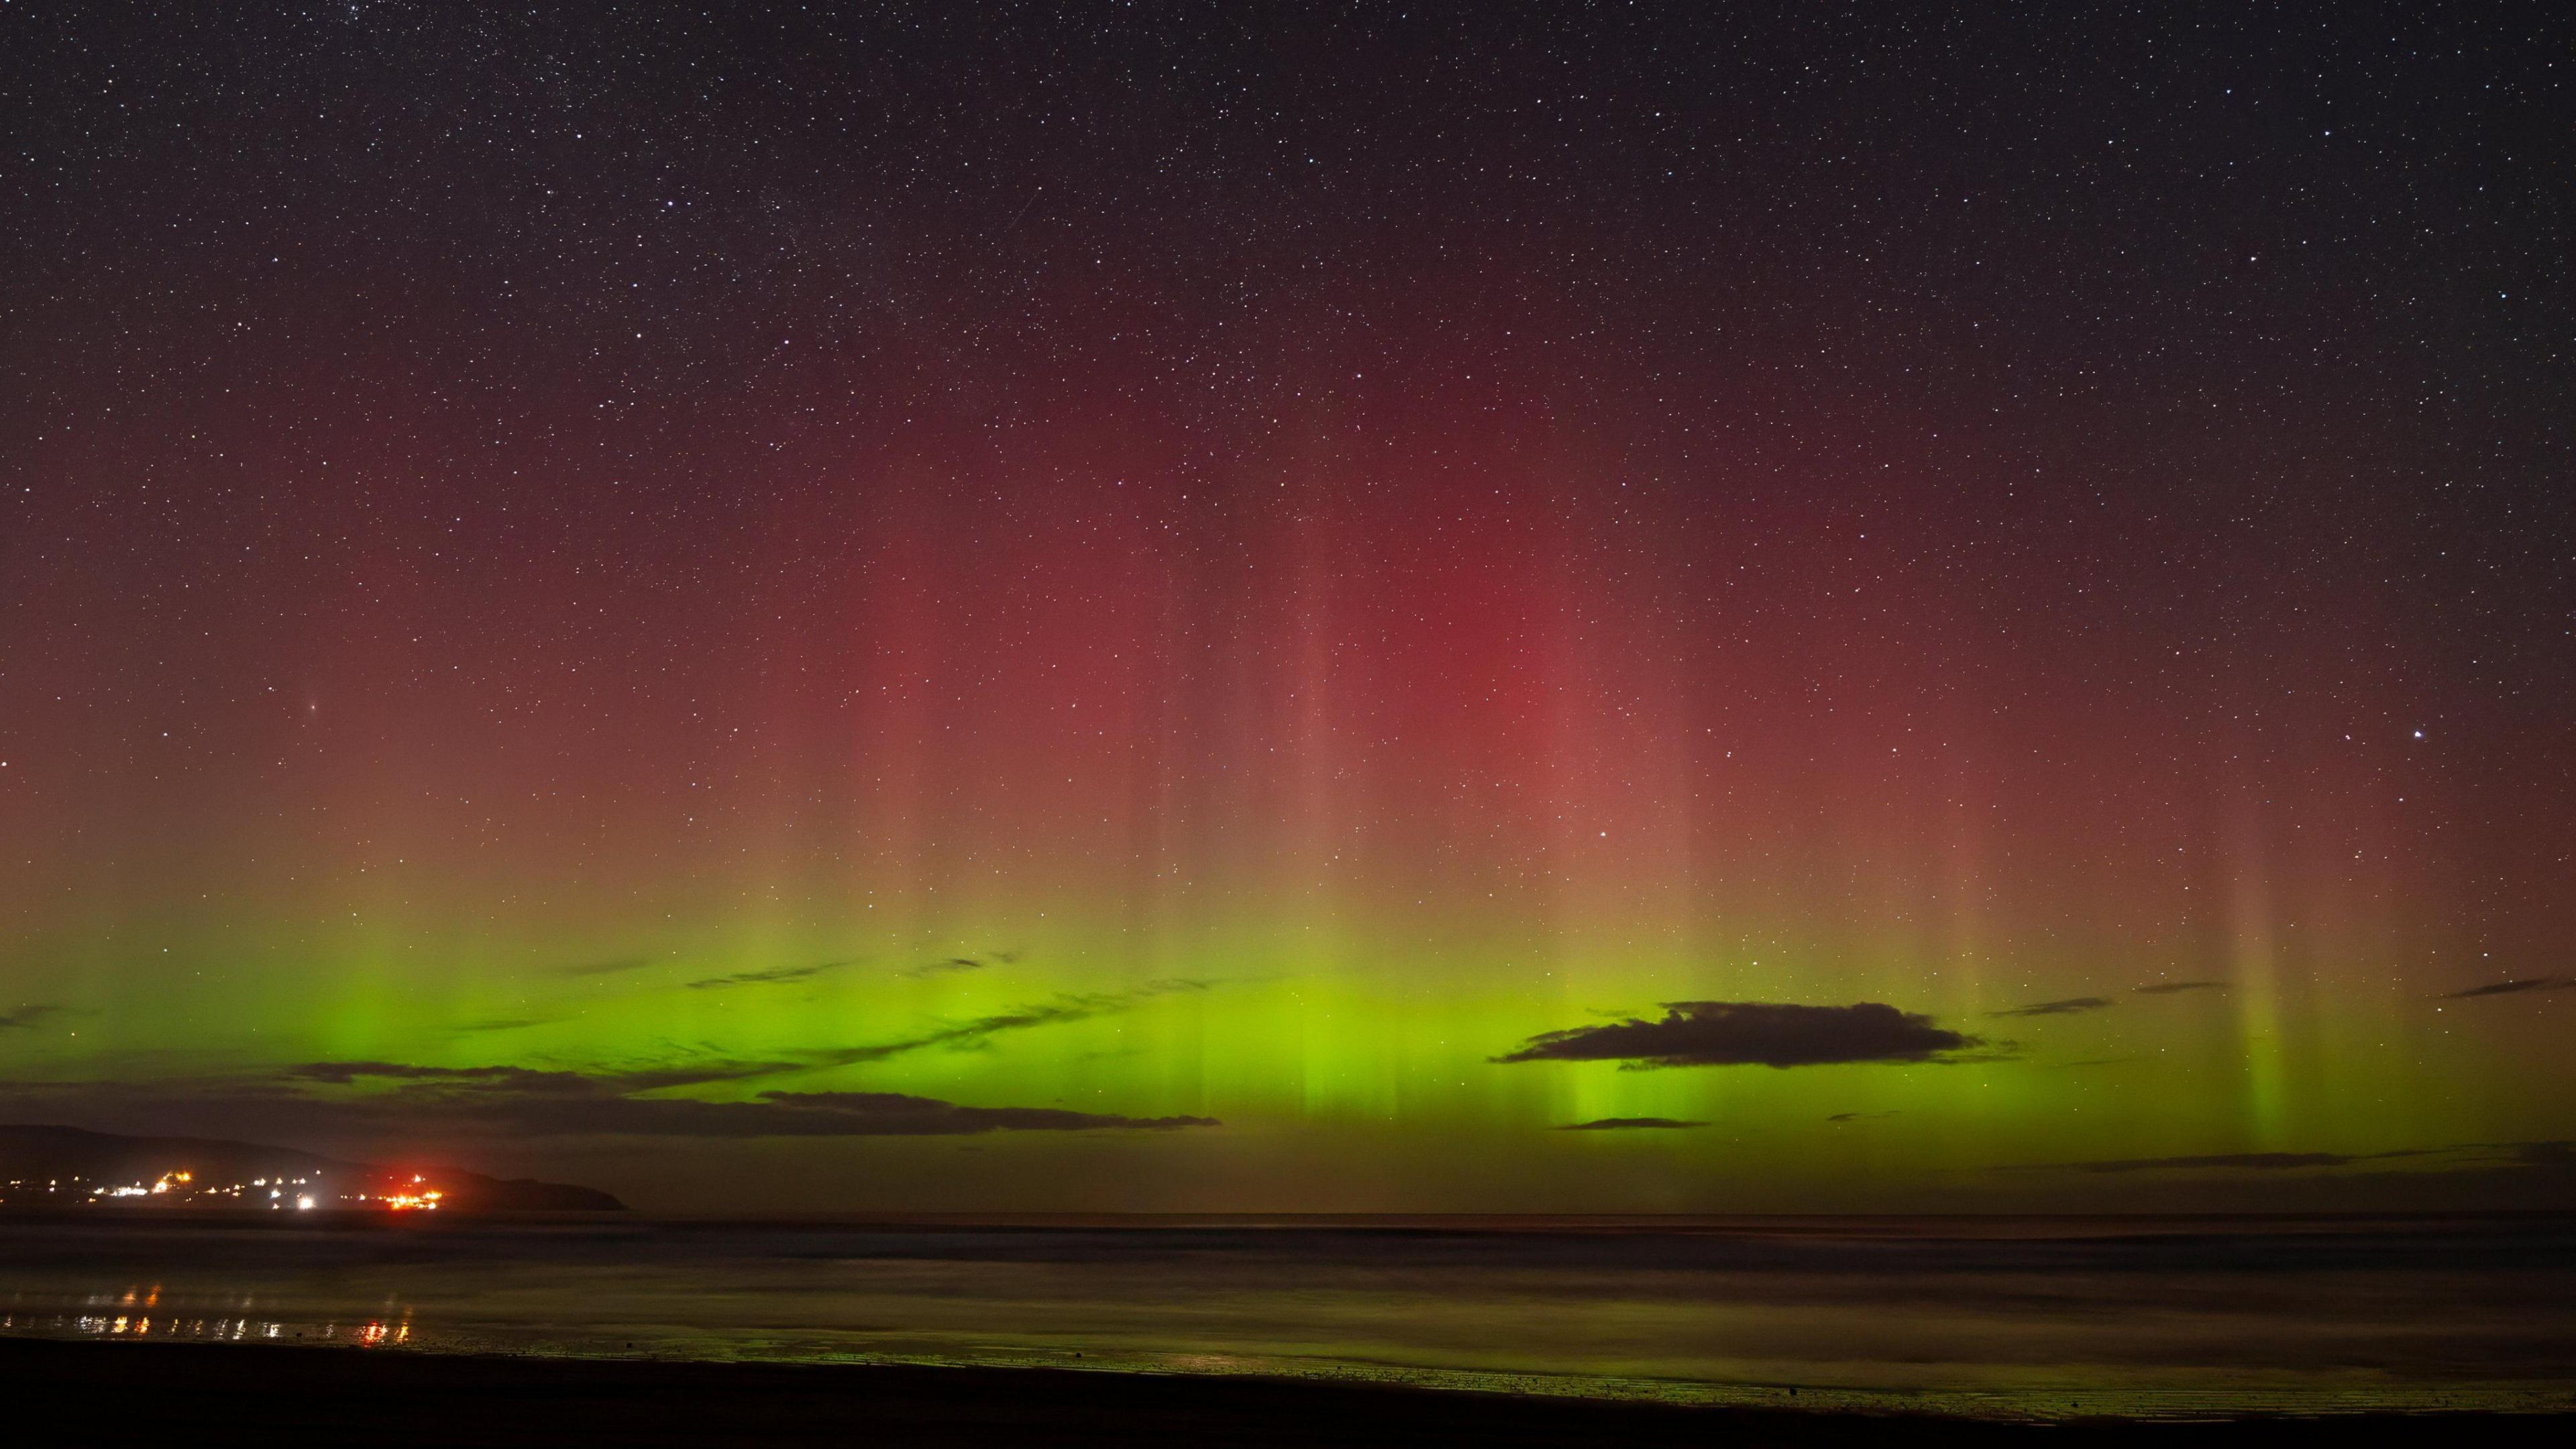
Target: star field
1264,611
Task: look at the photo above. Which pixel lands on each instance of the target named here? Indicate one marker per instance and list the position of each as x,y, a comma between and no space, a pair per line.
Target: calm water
2028,1317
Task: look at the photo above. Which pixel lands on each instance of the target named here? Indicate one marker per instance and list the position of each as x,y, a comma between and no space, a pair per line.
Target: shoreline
411,1397
1961,1226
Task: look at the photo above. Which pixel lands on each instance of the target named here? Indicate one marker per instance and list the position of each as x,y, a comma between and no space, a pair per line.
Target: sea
2012,1318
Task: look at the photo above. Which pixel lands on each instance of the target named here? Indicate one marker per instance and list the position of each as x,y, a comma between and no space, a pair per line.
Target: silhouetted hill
81,1164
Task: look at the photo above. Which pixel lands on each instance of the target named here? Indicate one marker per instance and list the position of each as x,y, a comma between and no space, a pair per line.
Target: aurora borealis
931,611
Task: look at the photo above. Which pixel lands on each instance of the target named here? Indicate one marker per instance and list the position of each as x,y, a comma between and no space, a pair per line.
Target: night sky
971,607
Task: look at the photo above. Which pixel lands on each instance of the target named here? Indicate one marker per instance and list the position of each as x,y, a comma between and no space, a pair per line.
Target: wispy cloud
702,1064
2456,1156
405,1102
2222,1161
391,1100
2176,988
964,963
610,967
2067,1007
962,1035
1860,1116
1753,1033
27,1018
411,1076
773,976
2512,988
367,1098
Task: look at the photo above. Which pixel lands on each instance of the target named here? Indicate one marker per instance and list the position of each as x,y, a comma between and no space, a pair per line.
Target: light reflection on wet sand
2050,1323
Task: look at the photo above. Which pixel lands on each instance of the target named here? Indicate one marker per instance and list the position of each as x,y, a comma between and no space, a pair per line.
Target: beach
208,1393
1584,1329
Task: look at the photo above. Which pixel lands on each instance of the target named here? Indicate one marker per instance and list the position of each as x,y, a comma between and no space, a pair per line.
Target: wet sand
229,1394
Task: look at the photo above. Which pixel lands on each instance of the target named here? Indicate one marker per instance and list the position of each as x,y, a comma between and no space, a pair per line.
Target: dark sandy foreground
198,1393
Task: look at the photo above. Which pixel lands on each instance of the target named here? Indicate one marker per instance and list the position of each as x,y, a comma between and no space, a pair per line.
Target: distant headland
47,1168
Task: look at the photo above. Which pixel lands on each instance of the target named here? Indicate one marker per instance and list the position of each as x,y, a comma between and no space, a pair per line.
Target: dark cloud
28,1017
702,1065
966,1035
2176,988
889,1114
390,1100
2512,988
2233,1161
964,963
366,1099
597,1082
609,967
2068,1007
1623,1124
579,1109
342,1074
1752,1033
1859,1116
508,1023
2230,1161
774,976
2511,1169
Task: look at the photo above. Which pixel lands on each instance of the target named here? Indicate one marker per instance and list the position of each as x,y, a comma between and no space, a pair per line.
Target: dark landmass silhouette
32,1154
